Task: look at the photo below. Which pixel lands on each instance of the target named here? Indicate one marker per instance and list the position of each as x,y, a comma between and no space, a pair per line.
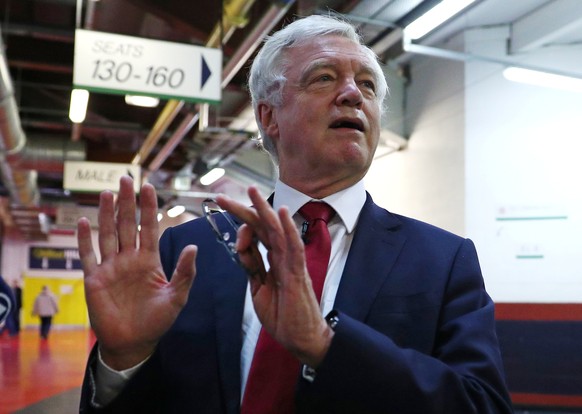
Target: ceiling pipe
233,17
411,47
21,185
275,13
48,154
21,158
168,114
185,126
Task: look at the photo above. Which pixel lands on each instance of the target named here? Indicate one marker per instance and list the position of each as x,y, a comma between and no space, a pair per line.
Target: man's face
327,128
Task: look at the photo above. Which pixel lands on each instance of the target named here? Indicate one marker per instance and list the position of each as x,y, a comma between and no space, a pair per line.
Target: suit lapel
229,303
375,248
229,299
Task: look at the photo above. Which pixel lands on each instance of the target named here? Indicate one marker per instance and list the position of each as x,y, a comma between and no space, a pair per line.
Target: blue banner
51,258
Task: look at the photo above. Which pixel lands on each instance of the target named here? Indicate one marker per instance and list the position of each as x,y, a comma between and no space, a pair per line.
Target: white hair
267,74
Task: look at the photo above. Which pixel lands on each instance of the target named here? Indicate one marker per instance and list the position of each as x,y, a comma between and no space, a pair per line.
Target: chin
356,154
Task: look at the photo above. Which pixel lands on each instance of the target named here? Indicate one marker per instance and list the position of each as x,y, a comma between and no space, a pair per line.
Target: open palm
131,303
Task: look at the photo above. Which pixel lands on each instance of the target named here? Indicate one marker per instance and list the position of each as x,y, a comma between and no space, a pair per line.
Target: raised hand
131,303
283,298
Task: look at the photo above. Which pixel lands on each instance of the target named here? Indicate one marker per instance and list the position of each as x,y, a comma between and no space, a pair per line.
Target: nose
349,94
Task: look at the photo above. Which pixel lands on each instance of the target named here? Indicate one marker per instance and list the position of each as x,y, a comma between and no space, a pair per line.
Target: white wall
523,146
498,162
426,180
15,256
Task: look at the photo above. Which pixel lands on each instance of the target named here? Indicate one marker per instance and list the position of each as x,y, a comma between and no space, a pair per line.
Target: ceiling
39,35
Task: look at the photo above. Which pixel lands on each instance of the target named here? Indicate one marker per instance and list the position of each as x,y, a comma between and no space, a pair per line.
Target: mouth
349,123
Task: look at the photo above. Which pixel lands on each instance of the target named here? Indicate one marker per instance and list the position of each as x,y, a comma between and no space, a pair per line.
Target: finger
249,254
261,217
243,212
149,221
184,273
258,270
255,285
244,238
246,214
294,244
126,218
86,252
290,230
260,204
268,221
107,228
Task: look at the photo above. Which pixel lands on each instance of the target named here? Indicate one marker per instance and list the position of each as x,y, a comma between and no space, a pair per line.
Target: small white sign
120,64
98,176
69,215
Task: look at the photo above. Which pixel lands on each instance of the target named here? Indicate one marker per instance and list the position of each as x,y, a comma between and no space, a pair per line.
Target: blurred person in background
45,307
17,290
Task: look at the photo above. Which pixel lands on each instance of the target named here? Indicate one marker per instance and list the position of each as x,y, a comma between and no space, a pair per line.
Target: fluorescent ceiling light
176,211
78,108
539,78
435,17
211,176
160,216
145,101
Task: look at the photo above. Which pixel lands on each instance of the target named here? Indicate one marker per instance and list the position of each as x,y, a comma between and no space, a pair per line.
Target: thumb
185,272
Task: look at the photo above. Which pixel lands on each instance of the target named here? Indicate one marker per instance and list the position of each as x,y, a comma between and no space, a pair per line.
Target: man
18,304
409,328
45,307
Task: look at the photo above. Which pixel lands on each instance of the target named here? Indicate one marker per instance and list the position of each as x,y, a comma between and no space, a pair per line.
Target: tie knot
317,211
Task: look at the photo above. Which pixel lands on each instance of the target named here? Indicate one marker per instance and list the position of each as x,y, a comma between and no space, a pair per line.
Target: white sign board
119,64
98,176
68,215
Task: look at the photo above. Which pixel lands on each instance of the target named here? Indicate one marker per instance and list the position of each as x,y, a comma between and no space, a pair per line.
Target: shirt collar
347,203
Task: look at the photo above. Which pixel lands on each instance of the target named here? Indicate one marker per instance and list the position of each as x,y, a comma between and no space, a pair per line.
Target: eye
324,78
369,85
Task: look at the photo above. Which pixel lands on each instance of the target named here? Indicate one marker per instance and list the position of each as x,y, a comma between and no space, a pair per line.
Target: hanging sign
120,64
89,176
50,258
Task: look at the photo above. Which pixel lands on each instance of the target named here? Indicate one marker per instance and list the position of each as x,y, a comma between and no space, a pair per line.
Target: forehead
323,50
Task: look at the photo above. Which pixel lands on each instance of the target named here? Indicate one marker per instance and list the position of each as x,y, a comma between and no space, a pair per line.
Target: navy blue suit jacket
416,331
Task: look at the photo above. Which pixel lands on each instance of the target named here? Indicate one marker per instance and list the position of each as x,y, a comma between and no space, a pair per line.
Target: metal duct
21,185
47,154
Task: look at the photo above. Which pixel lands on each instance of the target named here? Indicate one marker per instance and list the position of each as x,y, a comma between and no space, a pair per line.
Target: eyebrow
313,67
330,64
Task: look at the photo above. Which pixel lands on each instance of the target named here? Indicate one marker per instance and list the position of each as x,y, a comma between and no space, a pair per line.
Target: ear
268,119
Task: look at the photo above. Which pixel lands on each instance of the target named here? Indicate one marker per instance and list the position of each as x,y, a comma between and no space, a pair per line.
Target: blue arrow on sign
205,72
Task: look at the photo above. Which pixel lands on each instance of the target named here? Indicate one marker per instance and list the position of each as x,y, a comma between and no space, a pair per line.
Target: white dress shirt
347,203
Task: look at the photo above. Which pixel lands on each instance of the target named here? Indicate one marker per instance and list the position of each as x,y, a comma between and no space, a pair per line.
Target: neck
320,188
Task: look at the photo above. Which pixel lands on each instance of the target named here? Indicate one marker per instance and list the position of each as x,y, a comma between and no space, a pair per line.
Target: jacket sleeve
140,395
366,371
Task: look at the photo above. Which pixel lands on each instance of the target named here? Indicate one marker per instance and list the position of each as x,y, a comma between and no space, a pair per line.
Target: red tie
317,242
273,375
